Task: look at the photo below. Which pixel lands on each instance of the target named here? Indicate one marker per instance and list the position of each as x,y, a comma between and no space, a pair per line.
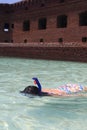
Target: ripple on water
19,112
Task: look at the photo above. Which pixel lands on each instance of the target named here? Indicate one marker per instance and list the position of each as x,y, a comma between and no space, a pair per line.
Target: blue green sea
19,112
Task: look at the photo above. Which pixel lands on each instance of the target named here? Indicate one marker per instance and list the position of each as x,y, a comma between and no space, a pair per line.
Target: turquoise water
18,112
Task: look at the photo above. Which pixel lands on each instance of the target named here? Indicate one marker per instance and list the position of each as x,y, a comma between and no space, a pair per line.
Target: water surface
18,112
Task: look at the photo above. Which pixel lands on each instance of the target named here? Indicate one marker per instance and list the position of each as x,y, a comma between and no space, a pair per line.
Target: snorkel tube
36,81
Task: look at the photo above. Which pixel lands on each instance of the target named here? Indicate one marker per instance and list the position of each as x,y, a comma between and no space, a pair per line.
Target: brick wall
50,53
72,33
26,10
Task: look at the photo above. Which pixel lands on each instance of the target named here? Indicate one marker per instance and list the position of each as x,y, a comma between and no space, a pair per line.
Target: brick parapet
67,53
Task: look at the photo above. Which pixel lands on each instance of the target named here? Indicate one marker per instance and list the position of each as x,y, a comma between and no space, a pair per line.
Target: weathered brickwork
44,52
62,21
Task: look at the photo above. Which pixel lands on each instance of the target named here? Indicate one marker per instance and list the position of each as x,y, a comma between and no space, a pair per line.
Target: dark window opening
60,40
25,41
26,8
42,5
83,19
24,3
41,40
84,39
61,1
62,21
12,26
6,27
26,26
6,41
42,23
11,41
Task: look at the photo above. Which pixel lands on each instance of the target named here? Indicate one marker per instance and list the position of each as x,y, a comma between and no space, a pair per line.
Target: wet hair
34,91
31,90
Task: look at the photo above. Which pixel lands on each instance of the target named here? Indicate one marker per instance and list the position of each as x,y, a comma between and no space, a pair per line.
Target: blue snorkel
38,84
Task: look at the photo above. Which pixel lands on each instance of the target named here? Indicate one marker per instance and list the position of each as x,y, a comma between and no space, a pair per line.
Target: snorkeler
35,90
60,91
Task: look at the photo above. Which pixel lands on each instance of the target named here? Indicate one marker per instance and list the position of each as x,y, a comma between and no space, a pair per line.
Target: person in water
60,91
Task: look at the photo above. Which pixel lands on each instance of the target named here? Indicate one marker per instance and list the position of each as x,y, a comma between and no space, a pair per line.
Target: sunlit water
19,112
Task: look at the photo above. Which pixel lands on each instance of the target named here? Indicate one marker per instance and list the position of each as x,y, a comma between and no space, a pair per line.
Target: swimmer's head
31,90
35,90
